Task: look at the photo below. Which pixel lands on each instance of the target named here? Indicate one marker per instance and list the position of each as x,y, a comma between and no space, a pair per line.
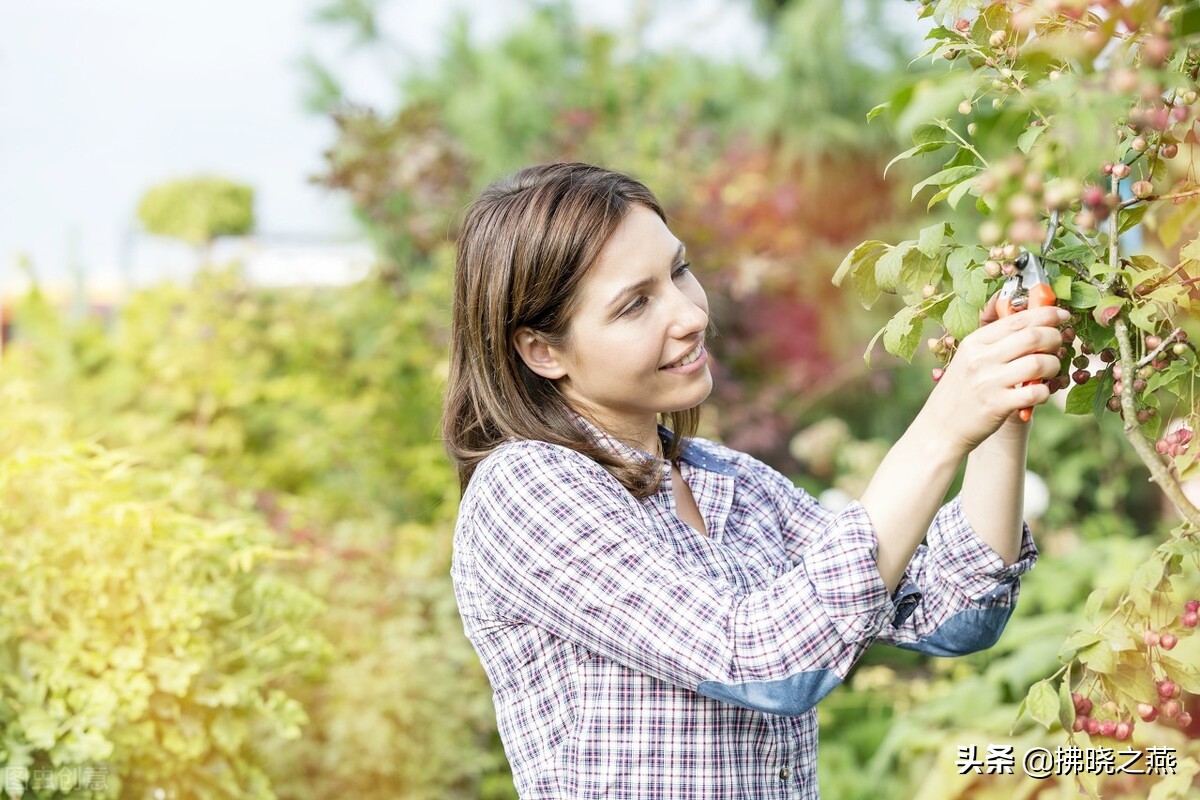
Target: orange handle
1040,296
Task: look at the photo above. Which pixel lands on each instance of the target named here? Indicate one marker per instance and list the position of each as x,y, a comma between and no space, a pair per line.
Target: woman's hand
982,386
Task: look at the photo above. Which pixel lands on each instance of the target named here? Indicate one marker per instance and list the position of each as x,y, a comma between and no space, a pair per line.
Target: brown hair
525,246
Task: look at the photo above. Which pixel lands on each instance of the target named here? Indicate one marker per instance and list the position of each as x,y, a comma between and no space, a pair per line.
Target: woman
658,614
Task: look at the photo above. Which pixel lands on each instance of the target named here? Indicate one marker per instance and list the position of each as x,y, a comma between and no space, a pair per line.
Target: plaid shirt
632,657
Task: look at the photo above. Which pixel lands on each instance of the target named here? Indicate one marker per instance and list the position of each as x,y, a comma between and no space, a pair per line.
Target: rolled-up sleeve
557,543
967,591
956,595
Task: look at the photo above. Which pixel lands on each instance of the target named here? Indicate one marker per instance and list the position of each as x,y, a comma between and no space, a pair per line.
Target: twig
1167,341
1158,471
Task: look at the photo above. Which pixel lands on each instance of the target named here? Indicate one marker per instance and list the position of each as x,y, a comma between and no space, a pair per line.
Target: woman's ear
540,357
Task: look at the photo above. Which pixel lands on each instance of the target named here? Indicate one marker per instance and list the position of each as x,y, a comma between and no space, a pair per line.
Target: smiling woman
658,614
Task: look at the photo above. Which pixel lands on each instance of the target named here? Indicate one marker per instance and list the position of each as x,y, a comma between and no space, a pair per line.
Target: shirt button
784,774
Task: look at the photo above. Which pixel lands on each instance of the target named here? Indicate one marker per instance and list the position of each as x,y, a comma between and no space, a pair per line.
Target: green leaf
1129,217
1144,316
1191,250
961,258
1076,641
877,110
1083,295
1027,139
930,134
1099,657
1143,583
889,265
917,271
956,194
930,239
1062,287
1066,706
971,286
1079,399
864,283
961,318
950,175
916,150
903,333
1043,703
856,258
1094,603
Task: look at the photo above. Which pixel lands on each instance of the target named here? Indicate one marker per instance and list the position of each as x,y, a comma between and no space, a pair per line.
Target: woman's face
635,344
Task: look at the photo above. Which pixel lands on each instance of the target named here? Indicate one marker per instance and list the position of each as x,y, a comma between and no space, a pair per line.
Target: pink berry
1122,731
1108,727
1092,726
937,373
1150,638
1190,619
1084,707
1171,709
1168,641
1192,605
1166,688
1147,712
1185,720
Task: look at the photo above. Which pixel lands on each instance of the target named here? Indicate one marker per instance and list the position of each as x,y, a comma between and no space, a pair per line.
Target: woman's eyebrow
634,288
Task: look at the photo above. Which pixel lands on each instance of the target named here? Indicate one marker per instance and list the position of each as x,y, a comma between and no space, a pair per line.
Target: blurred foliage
144,638
315,413
198,210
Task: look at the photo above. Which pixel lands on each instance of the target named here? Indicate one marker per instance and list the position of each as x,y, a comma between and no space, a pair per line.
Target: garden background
227,516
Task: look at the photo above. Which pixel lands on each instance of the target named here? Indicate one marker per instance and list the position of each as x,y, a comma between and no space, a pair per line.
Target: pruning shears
1026,288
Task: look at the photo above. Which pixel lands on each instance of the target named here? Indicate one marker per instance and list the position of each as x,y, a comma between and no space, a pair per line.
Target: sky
100,101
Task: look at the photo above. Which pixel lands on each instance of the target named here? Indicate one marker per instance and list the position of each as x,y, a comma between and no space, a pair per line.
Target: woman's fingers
1034,367
1026,341
1047,317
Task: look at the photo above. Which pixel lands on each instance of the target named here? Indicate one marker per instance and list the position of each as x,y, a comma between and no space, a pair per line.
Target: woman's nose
688,316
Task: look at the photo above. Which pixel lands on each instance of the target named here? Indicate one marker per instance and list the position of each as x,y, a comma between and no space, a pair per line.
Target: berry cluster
1118,729
1169,706
1174,443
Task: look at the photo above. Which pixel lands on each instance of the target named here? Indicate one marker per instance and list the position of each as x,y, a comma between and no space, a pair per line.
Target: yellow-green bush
142,638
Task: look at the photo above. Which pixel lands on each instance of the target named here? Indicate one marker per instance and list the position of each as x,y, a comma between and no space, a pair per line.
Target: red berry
1192,605
1122,731
1079,724
1092,726
1190,619
1147,712
1108,727
1166,688
1168,641
1081,376
1108,355
1085,706
1153,341
1114,404
1185,720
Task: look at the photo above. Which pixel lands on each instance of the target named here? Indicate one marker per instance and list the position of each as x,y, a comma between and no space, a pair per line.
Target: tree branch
1159,473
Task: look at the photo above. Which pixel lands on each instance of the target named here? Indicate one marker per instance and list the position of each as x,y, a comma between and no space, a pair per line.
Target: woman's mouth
691,357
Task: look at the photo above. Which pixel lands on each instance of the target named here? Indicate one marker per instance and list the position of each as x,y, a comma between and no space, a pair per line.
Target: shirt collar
694,452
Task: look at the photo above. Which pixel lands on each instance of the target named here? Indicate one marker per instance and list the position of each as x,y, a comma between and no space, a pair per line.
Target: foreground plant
1070,123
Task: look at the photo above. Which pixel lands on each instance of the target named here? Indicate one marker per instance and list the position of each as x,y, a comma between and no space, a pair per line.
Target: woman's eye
634,307
679,270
